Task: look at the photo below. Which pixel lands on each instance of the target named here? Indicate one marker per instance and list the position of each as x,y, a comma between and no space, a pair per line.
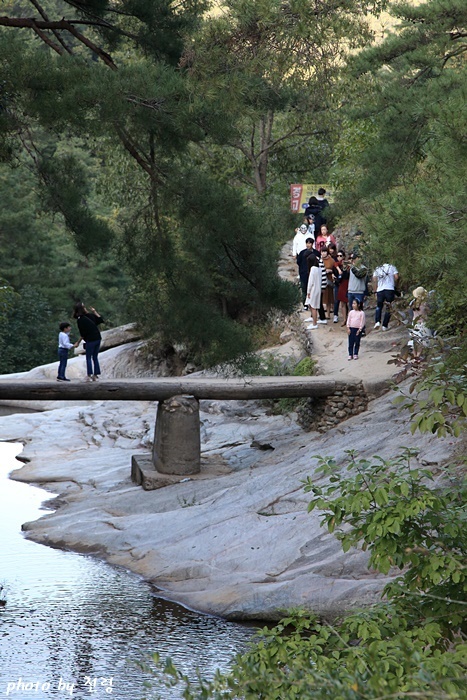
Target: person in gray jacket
358,279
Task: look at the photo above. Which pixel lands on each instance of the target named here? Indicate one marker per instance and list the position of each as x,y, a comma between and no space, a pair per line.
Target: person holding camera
88,322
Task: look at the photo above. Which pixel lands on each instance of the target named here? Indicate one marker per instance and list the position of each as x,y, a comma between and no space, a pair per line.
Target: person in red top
324,238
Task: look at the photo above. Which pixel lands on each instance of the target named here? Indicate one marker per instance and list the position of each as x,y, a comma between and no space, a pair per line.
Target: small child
355,325
64,345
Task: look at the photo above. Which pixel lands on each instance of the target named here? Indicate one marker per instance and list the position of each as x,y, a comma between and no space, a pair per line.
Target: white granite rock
236,540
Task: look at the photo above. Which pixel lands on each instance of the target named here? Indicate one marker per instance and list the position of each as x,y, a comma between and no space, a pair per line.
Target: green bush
411,644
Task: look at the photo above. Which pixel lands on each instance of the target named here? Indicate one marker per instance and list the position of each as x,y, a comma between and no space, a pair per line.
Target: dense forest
147,150
146,153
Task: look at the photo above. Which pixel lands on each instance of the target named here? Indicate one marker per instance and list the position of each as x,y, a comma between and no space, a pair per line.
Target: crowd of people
334,283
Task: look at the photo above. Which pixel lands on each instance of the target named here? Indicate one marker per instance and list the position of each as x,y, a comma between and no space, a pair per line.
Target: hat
303,227
419,292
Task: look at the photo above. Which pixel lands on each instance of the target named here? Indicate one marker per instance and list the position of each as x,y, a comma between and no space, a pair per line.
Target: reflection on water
71,619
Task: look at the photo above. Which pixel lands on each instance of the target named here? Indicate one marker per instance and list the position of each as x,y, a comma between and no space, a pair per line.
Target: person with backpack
316,207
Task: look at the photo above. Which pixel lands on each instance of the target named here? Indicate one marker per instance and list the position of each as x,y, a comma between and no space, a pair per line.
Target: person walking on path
358,274
337,271
324,238
64,344
342,278
299,241
303,269
328,292
313,296
88,322
385,279
316,207
355,325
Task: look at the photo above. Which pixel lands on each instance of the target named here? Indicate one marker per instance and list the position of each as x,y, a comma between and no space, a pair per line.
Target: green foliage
368,656
305,368
215,263
28,333
261,53
43,270
66,190
391,509
268,364
409,645
402,157
437,401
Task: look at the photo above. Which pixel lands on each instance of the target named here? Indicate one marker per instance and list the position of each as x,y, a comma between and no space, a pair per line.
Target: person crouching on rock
88,322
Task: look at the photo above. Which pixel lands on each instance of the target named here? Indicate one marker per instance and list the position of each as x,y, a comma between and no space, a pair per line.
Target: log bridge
177,445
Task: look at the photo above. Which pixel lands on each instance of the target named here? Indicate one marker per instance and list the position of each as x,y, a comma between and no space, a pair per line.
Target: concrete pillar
177,444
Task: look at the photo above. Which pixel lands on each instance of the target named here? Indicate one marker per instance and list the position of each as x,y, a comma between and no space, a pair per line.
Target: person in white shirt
385,279
299,241
64,344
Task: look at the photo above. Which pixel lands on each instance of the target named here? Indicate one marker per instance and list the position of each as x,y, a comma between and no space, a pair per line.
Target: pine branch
56,34
63,24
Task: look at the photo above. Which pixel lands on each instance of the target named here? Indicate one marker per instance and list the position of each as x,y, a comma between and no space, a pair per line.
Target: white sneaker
377,324
336,319
384,328
88,378
323,321
312,328
308,320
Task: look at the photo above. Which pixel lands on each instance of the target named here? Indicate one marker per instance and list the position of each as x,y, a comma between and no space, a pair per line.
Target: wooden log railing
177,445
162,389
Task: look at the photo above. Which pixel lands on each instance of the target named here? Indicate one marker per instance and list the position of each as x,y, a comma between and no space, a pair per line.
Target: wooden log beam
163,388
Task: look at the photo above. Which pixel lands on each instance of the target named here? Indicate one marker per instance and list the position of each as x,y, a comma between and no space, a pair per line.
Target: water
74,626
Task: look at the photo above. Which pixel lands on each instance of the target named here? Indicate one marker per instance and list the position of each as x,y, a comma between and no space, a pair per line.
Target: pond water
74,626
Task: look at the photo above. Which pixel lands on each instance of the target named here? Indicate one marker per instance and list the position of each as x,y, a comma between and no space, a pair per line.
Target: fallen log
161,389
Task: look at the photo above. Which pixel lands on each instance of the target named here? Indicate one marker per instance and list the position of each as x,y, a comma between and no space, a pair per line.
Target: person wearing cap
385,279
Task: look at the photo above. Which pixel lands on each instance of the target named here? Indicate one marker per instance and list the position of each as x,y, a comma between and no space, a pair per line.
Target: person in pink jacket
355,324
324,238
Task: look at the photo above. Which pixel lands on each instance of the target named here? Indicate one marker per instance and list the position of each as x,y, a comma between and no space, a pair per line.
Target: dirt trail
330,341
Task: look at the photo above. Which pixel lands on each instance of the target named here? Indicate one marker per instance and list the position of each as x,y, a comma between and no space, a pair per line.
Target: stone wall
323,413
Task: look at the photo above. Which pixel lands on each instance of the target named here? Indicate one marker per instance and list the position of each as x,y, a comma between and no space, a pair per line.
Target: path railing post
177,443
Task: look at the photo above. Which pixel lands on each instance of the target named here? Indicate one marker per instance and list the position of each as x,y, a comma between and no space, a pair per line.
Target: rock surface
234,540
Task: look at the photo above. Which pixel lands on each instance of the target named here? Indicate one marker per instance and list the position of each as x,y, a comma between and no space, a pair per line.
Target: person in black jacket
88,322
316,207
303,268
